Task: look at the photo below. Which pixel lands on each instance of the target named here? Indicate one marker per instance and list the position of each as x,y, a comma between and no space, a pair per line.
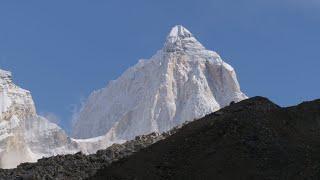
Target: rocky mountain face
182,82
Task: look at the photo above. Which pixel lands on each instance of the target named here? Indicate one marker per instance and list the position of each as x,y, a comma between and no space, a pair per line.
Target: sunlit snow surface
182,82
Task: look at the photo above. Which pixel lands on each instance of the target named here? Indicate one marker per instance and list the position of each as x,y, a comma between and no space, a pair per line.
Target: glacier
183,81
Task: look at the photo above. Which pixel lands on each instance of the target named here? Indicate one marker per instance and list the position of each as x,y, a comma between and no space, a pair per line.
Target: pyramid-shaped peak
179,31
181,39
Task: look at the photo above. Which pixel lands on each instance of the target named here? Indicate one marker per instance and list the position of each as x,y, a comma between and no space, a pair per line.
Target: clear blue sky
64,49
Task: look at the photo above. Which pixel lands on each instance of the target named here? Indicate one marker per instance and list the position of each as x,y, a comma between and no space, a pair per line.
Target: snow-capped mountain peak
25,136
182,82
180,31
181,39
14,101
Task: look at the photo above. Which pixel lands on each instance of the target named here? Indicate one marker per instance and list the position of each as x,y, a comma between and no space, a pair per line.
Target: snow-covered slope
14,101
182,82
25,136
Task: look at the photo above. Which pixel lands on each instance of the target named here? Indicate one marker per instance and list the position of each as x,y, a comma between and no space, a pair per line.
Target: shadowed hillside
253,139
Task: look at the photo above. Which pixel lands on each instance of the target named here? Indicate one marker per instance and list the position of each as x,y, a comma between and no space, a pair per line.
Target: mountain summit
181,82
181,39
15,102
180,31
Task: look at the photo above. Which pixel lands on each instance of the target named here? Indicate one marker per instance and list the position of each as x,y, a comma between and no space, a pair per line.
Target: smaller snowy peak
14,101
26,136
181,39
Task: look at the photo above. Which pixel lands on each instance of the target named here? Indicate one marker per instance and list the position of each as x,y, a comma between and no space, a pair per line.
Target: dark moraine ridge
80,166
253,139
